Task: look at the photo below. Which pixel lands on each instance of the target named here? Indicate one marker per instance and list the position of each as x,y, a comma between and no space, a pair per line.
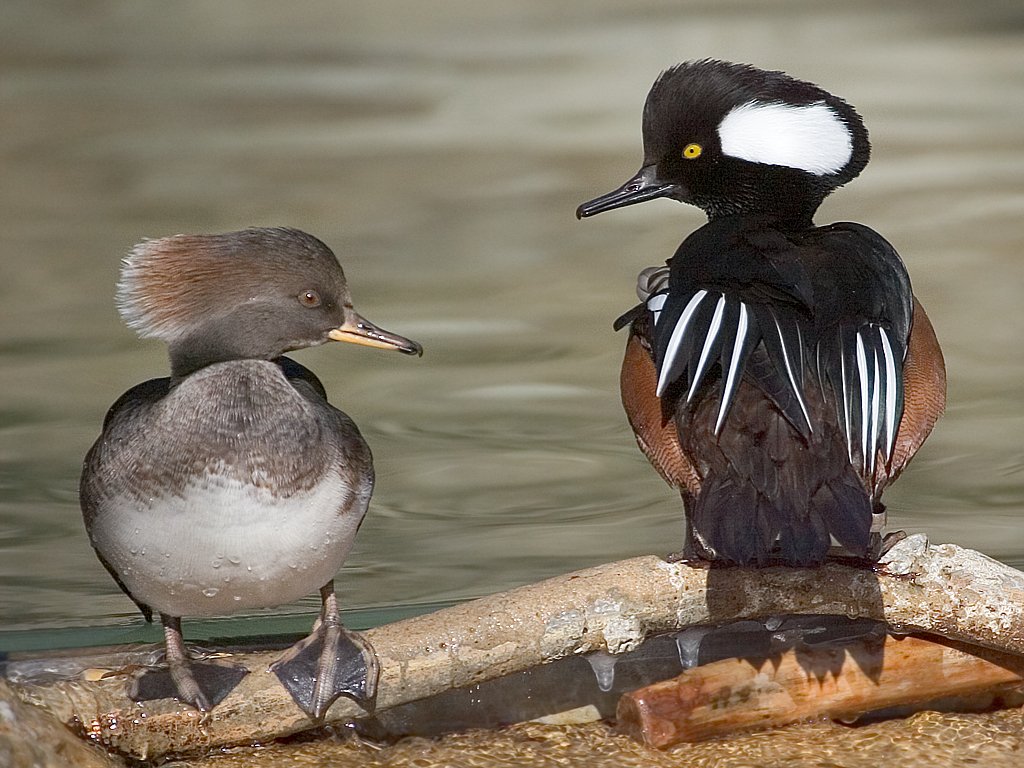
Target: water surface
441,150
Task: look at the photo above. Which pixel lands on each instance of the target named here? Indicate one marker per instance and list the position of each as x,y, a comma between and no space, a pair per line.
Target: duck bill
359,330
643,186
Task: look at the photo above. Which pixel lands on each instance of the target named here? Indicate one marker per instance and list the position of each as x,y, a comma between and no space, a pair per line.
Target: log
842,682
943,590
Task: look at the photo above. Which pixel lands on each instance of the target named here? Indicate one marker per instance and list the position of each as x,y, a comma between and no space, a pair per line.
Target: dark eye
309,299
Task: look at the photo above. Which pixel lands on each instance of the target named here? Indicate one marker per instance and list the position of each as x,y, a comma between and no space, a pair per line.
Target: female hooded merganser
779,374
233,484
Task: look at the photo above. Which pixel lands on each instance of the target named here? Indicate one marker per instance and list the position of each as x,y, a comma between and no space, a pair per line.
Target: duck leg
181,678
694,552
331,662
878,544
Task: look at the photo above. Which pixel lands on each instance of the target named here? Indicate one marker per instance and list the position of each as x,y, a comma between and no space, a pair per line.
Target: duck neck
784,195
218,342
249,333
191,355
787,213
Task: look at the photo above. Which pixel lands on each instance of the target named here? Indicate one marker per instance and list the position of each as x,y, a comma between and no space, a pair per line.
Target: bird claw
891,540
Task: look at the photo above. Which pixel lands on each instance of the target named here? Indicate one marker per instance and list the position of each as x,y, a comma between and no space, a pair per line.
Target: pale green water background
441,149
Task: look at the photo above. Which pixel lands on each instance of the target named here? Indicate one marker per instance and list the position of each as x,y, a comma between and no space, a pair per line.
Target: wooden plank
840,681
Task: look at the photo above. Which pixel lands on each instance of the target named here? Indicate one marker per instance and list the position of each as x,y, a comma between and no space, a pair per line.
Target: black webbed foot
330,663
197,684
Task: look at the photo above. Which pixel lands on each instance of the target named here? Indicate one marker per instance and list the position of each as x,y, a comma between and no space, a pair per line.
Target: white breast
222,546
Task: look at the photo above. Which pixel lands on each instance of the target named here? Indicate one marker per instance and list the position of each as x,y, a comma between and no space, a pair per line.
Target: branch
943,590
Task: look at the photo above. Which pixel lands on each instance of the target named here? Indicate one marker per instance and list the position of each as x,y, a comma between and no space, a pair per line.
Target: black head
731,138
252,294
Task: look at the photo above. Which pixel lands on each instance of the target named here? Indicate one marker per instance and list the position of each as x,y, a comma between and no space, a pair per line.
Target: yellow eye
692,151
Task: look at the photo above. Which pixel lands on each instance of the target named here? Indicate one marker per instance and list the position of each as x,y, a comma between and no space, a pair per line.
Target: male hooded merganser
233,484
779,374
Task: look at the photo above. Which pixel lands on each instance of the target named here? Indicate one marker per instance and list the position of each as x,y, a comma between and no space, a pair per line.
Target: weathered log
840,681
944,590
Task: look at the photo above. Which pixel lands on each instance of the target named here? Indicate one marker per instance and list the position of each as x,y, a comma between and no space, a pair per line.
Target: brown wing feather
656,436
924,399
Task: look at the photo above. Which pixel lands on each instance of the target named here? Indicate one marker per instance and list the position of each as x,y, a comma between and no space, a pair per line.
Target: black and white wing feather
830,309
714,331
864,366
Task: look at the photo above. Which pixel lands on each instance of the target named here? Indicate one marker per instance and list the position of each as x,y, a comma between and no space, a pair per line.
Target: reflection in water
442,153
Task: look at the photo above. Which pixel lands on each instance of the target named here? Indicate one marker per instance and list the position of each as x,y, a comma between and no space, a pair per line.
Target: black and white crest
764,117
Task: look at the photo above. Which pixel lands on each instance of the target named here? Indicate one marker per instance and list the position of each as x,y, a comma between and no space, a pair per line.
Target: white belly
223,546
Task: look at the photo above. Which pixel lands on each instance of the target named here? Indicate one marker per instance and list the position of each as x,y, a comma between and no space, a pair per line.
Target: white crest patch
811,138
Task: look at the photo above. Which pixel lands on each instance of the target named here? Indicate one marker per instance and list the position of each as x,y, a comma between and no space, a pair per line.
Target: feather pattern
669,371
707,335
891,387
716,331
711,342
734,365
783,375
866,372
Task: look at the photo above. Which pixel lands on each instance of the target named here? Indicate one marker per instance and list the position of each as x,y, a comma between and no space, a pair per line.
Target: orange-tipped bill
359,330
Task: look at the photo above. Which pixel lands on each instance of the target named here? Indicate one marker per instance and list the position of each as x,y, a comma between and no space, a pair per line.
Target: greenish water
441,150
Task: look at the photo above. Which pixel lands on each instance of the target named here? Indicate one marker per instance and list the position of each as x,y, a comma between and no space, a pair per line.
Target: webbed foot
181,679
197,684
329,663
